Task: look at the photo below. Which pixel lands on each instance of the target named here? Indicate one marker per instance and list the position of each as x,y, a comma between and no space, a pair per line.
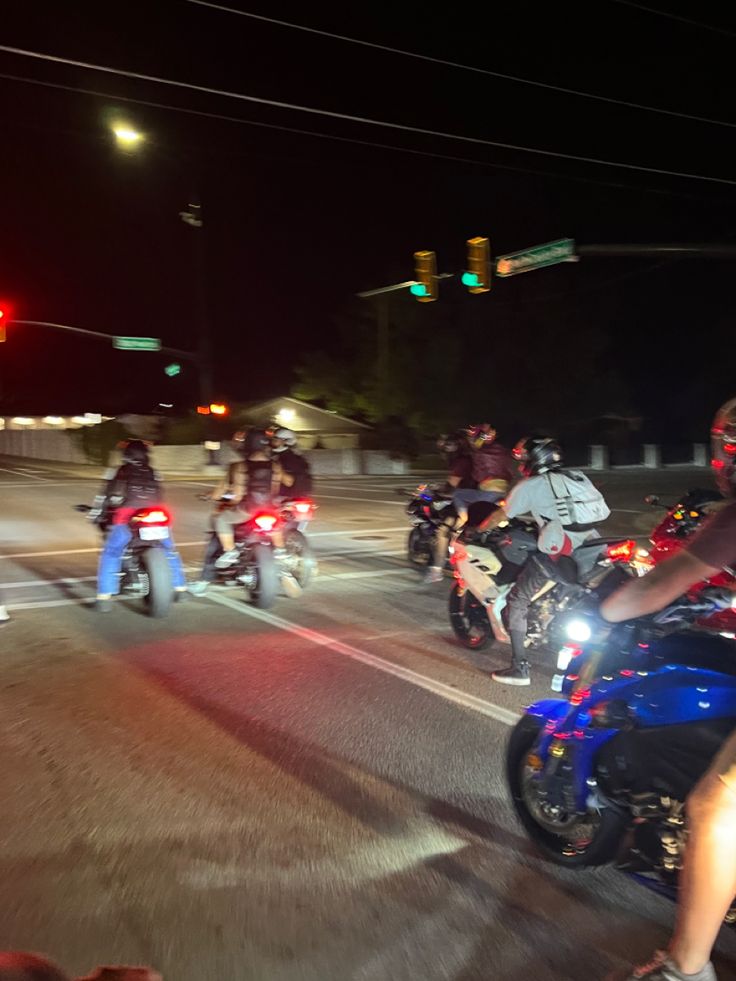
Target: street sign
137,343
549,254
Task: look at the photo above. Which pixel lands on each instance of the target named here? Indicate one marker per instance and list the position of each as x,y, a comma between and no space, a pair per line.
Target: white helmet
287,437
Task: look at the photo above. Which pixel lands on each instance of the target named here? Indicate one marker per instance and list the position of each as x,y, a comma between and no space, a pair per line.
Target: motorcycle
679,524
486,564
428,509
144,571
603,775
259,567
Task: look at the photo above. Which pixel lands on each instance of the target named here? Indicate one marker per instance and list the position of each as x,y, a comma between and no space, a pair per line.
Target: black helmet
723,448
255,441
537,454
135,452
452,443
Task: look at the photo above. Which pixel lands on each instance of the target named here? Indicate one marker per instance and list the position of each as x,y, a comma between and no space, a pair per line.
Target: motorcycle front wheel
263,591
469,619
159,595
570,839
419,549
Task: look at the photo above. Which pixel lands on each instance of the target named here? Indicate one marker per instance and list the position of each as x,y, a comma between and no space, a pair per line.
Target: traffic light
218,409
6,315
478,275
425,273
172,370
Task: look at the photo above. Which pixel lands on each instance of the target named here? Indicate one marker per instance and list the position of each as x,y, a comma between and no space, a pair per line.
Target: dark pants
537,571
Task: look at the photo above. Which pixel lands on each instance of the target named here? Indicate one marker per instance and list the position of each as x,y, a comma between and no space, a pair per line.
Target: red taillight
302,507
729,448
265,522
156,516
622,551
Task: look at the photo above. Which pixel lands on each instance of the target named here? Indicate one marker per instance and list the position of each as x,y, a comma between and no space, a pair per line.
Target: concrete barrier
42,444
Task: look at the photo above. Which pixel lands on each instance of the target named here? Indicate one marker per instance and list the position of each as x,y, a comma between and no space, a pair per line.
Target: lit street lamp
126,137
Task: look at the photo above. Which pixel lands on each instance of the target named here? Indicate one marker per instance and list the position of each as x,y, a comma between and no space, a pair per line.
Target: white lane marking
370,574
356,532
447,692
47,582
369,500
20,473
47,604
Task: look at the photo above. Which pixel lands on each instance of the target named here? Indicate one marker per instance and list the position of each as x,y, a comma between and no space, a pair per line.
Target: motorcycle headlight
579,631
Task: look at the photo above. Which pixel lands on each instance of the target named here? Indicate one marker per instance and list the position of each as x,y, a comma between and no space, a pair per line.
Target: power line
468,68
363,120
666,13
474,161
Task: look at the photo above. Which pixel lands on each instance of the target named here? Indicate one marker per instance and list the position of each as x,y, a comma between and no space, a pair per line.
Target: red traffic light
6,315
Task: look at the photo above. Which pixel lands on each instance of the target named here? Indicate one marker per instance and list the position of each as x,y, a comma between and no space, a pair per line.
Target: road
307,794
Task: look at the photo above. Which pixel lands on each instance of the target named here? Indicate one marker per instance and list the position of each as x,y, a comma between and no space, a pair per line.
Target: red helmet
723,448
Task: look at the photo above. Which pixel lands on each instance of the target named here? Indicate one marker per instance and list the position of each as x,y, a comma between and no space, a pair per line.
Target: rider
127,489
567,508
292,463
708,881
456,450
492,470
249,484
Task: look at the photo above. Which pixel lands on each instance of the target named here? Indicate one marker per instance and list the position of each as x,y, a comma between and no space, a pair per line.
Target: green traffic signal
172,370
418,289
470,279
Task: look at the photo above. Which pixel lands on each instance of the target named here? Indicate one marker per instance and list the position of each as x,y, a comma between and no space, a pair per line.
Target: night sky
296,224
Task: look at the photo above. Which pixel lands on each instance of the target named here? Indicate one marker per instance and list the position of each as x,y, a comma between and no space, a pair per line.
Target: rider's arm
661,586
518,502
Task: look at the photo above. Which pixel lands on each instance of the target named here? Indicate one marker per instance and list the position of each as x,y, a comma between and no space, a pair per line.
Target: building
315,428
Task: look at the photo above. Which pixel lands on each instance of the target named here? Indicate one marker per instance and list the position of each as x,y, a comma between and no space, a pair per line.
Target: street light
126,137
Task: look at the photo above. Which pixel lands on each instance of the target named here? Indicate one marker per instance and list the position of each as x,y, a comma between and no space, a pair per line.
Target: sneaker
198,588
661,968
434,574
513,675
227,559
4,616
290,585
103,605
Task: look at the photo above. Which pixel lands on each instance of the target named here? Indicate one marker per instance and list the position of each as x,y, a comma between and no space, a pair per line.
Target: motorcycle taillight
265,522
303,507
152,516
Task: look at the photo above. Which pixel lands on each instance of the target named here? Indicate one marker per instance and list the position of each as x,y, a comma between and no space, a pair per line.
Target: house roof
301,417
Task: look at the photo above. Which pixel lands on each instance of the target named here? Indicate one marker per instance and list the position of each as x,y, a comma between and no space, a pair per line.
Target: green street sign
549,254
172,370
137,343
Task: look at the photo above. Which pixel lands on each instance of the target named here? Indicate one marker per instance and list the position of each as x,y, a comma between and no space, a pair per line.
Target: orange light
203,410
623,552
156,516
218,409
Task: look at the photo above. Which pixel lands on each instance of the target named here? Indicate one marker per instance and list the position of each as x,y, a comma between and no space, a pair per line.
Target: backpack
579,506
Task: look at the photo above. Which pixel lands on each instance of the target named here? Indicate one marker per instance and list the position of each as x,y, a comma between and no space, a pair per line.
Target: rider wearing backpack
568,508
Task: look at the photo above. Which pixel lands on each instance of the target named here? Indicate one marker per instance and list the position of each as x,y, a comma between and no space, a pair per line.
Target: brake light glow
265,522
156,516
303,507
622,551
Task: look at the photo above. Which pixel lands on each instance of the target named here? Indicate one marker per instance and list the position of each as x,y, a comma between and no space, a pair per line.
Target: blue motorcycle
603,775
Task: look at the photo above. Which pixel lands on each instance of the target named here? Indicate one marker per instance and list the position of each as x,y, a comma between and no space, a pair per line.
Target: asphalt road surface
306,794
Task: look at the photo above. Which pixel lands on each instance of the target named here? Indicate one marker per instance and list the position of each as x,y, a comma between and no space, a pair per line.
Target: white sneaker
434,574
227,559
290,586
4,616
661,968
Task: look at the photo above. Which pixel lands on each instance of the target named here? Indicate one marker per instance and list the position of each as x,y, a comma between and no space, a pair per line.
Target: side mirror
652,500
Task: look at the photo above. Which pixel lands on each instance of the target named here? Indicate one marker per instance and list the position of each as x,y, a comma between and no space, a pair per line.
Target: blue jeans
111,560
466,496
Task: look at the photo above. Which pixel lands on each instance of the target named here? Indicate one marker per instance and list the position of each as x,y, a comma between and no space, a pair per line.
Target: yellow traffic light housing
425,274
478,275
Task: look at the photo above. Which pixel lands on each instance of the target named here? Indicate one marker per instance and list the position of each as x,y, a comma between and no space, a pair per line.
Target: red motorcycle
672,533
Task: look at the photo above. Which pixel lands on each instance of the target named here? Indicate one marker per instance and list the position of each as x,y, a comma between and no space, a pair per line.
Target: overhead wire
460,66
671,16
362,120
221,117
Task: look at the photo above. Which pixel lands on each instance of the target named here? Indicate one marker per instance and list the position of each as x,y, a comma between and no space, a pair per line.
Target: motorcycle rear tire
160,591
469,620
419,549
263,593
605,842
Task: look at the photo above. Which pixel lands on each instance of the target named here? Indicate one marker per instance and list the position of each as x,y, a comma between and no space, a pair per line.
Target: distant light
81,420
53,420
22,421
203,410
211,444
127,138
286,415
93,418
218,409
166,405
172,370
